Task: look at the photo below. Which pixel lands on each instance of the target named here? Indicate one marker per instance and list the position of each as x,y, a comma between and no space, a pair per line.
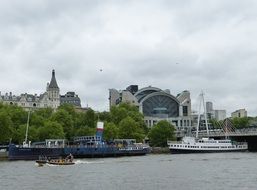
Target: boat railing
239,143
174,142
132,148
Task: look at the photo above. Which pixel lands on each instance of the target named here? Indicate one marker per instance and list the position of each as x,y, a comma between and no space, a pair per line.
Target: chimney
99,129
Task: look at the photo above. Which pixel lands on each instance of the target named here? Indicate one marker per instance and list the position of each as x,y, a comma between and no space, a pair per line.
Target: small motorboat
67,161
60,162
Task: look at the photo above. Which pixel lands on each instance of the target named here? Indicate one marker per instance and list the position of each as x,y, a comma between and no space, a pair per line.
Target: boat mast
198,121
27,129
205,115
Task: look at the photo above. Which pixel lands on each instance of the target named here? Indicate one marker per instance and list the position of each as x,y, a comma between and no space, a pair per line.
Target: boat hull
25,153
21,153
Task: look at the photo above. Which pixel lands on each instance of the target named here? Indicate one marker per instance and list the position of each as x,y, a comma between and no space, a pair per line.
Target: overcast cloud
171,44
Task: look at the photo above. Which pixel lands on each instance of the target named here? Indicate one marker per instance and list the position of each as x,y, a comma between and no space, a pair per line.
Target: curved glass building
156,104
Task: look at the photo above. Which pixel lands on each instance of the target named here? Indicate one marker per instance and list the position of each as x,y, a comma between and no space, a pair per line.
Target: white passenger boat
205,145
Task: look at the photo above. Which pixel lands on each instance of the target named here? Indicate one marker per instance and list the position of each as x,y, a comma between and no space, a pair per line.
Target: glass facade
160,106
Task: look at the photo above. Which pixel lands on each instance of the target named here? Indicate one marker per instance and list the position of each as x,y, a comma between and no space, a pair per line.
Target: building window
185,111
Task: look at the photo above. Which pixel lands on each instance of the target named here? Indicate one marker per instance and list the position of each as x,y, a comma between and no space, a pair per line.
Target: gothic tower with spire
53,92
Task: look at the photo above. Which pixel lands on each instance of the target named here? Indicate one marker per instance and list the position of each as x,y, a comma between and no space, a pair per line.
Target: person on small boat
69,158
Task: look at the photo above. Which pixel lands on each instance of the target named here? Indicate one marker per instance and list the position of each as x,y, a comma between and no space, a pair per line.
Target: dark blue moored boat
81,147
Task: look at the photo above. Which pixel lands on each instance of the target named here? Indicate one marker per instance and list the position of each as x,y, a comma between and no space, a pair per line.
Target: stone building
239,113
50,98
71,98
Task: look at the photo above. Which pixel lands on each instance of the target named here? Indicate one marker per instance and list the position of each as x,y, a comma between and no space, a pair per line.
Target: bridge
220,133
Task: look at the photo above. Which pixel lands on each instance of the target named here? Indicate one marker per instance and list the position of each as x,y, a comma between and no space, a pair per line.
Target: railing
221,133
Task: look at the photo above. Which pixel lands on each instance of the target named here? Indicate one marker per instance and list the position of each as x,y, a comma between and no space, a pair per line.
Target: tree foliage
241,122
130,129
64,118
5,127
160,133
216,124
111,131
51,130
123,121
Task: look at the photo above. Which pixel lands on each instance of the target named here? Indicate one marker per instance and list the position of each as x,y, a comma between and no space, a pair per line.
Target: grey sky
133,42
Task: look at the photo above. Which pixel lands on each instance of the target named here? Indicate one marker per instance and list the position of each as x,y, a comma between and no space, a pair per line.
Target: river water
221,171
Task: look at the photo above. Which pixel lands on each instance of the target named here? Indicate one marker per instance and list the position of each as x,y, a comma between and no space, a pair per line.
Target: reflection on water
228,171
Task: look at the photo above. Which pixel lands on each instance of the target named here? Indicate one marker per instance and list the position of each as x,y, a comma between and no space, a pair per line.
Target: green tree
84,131
160,133
91,118
17,115
32,134
216,124
36,120
5,127
129,129
120,112
252,121
79,119
68,108
104,116
117,114
110,131
45,113
63,118
51,130
242,122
